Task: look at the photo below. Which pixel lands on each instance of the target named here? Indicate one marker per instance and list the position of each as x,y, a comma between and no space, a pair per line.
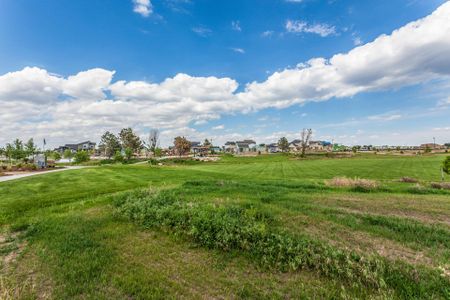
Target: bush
118,157
446,165
251,231
81,156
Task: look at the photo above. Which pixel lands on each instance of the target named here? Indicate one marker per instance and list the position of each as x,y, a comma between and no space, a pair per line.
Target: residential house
230,147
245,146
272,148
86,146
432,146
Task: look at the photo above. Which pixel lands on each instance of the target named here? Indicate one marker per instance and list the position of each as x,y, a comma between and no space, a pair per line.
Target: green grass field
256,227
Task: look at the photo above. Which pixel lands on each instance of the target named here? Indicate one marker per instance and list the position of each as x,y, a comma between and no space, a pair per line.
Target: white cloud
385,117
143,7
357,41
297,26
267,33
202,31
236,25
218,127
37,103
238,50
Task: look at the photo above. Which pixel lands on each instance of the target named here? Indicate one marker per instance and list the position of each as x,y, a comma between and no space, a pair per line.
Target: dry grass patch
440,185
366,184
409,180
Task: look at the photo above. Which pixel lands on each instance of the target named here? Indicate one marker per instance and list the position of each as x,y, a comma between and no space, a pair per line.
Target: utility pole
434,143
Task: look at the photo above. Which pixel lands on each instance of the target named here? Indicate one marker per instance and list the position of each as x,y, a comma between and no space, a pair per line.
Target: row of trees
283,143
128,143
18,150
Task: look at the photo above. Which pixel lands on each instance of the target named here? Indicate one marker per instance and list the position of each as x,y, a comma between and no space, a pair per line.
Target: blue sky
43,43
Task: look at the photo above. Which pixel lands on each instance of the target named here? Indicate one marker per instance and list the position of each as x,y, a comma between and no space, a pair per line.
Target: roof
230,143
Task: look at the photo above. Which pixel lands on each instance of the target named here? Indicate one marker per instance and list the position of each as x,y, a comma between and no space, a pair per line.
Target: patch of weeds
243,229
440,185
409,180
356,184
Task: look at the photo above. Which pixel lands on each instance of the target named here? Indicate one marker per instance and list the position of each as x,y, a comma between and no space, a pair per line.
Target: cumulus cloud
35,102
297,26
143,7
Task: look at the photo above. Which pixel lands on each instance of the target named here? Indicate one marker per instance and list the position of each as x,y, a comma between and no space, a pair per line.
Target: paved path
12,177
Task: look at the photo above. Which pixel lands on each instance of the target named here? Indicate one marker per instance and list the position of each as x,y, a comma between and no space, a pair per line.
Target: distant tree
81,156
182,145
446,165
109,144
2,151
153,139
304,140
447,145
128,153
283,144
55,155
18,151
427,149
67,154
128,139
207,143
30,148
9,149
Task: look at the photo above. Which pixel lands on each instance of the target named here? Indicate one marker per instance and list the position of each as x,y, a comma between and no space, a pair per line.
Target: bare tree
182,145
153,140
305,137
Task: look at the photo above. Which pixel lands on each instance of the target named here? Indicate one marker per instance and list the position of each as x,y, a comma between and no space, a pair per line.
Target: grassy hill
254,227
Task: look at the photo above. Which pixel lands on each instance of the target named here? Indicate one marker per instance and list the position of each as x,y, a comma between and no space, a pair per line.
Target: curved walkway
18,176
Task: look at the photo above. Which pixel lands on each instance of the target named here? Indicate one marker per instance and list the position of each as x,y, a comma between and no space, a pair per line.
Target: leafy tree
81,156
158,152
128,153
129,139
9,149
30,148
207,143
2,151
446,165
68,154
182,145
18,151
55,155
283,144
118,156
109,144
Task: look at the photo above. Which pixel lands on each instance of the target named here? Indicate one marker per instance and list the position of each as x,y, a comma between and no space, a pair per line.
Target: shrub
153,161
250,231
118,157
446,165
409,180
81,156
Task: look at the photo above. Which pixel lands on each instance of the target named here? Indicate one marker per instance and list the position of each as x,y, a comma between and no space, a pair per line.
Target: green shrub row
253,231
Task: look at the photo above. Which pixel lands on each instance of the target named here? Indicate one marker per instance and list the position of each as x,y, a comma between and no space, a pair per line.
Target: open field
255,227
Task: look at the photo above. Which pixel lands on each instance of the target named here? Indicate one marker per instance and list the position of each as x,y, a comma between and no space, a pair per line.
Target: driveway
18,176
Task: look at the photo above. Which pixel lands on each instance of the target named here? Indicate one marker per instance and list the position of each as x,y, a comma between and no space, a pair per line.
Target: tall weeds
252,231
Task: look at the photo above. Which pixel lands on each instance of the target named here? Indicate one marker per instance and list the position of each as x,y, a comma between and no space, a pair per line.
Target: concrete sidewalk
18,176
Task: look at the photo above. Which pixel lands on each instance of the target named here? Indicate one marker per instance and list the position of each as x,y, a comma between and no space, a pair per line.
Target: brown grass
409,180
352,182
440,185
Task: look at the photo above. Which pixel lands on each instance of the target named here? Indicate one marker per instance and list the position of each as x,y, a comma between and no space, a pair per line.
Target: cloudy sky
356,71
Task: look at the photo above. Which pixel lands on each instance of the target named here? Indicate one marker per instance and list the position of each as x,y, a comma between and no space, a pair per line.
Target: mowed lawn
257,227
